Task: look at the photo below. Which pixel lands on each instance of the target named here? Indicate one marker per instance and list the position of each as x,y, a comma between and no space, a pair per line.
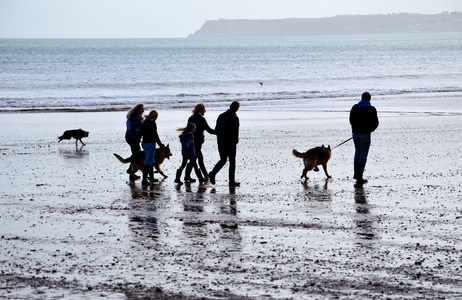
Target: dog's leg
305,171
160,171
324,166
132,170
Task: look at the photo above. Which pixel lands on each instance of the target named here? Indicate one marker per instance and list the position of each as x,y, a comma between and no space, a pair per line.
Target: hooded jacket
187,144
363,120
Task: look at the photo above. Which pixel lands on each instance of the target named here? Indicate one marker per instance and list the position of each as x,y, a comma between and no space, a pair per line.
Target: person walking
134,122
148,132
227,131
188,152
363,120
199,138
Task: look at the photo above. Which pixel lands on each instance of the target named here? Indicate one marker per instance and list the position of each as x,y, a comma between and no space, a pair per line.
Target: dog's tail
121,159
297,154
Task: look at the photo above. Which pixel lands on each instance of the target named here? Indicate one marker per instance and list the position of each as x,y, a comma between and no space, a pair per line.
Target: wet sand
72,226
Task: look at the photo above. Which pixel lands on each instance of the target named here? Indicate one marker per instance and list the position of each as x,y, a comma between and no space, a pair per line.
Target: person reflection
363,219
230,235
194,225
143,215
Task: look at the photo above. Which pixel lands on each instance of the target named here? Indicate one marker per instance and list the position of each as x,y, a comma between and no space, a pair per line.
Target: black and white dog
77,134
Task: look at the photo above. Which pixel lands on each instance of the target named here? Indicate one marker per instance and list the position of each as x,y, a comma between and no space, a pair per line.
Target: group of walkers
191,138
363,121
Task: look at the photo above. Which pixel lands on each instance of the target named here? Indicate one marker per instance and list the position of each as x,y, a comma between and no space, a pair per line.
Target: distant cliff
339,25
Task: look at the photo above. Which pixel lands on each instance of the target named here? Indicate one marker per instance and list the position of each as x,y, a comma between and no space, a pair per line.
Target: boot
212,177
178,176
144,181
187,173
199,174
360,173
234,183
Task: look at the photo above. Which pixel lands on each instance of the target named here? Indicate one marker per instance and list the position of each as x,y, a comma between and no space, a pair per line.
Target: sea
115,74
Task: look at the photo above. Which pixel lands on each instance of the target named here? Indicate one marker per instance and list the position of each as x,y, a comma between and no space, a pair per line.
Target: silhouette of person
150,137
134,122
188,152
363,120
227,131
201,126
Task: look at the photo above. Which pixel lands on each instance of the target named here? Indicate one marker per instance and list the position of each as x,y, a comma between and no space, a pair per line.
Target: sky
178,18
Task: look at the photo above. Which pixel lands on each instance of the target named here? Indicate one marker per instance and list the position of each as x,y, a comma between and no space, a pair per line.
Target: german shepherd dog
137,161
77,134
314,157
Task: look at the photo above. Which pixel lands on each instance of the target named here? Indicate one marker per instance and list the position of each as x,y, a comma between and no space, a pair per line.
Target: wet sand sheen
73,225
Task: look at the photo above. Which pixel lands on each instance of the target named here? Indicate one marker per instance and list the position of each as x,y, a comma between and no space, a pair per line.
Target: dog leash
342,143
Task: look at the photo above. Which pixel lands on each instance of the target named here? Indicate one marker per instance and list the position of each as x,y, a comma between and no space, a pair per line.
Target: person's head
366,96
200,108
152,116
137,109
234,106
189,127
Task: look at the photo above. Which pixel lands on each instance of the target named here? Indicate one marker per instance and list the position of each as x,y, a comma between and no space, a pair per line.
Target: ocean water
115,74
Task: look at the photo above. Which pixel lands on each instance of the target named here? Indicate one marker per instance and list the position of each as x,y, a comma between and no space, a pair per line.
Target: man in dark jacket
363,120
227,131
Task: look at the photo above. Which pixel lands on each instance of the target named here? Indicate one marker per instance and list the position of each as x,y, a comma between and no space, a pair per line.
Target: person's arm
156,137
375,120
207,127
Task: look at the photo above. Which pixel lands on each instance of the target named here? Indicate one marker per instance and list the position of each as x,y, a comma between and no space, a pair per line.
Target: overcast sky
177,18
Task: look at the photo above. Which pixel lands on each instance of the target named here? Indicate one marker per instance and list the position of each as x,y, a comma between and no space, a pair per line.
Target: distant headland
402,23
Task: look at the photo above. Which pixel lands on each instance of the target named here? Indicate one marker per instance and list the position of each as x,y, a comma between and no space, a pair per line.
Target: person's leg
187,173
365,142
232,165
200,160
357,144
180,170
197,170
134,148
151,169
222,149
149,150
134,145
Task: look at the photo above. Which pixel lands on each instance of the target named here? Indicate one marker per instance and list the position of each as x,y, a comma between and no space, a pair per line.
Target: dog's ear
328,147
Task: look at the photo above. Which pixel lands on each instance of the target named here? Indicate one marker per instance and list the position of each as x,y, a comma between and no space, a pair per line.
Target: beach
73,226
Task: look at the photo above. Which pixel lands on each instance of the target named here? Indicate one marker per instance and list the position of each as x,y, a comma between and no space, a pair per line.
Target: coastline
73,225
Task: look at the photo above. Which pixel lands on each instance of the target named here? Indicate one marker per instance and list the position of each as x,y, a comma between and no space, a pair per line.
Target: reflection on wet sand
363,219
77,152
143,211
318,196
210,219
193,204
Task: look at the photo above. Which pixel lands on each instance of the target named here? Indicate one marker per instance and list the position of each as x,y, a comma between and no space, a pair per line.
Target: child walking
148,132
188,153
